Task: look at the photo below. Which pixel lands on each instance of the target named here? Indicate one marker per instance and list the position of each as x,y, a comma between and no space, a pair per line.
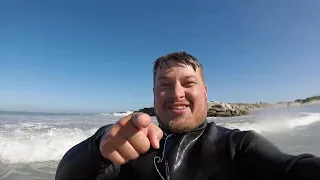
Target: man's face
180,97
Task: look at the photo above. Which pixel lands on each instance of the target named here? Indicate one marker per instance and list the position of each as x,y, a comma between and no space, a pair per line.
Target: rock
219,109
149,111
235,113
229,107
214,104
211,113
224,114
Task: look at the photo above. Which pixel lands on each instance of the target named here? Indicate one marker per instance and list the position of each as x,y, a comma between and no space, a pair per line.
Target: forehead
172,68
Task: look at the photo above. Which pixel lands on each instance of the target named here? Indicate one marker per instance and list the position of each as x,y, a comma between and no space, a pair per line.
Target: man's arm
84,161
256,157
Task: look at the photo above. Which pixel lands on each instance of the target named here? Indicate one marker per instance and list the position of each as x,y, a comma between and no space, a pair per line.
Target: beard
182,124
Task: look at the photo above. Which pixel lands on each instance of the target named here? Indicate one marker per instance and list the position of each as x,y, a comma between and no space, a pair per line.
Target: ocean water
32,144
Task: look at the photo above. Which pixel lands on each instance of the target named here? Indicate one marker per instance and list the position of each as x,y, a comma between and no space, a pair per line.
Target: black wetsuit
209,152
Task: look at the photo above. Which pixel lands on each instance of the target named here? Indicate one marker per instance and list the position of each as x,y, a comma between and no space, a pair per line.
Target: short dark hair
180,57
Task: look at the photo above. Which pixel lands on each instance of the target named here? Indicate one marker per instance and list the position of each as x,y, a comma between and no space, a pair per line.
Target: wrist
104,137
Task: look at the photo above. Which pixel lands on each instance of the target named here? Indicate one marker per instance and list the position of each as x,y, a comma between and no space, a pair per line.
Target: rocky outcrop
149,111
220,109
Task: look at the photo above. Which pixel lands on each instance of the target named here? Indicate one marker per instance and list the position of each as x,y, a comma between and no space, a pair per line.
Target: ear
153,96
206,91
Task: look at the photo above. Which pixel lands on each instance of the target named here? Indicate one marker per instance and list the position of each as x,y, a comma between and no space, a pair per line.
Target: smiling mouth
179,107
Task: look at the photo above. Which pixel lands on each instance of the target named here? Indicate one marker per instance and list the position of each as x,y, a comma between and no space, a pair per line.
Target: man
184,145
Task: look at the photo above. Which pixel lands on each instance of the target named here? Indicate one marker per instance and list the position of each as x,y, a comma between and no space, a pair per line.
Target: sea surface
31,144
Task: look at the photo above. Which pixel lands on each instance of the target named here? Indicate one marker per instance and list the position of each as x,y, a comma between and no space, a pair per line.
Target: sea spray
26,139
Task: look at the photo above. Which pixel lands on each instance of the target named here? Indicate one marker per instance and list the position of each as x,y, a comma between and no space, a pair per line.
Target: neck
200,127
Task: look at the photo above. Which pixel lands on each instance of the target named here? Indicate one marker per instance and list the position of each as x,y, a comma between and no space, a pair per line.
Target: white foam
242,126
274,124
23,146
122,114
40,141
304,119
116,113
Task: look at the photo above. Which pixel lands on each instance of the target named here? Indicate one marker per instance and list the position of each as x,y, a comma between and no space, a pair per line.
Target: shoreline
223,109
296,104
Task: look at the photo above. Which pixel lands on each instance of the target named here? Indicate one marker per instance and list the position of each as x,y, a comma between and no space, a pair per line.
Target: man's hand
130,137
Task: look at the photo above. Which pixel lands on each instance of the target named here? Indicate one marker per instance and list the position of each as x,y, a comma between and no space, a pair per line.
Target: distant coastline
215,108
312,100
308,99
223,109
38,113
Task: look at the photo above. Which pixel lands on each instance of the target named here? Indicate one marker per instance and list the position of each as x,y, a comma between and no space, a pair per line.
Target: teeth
178,107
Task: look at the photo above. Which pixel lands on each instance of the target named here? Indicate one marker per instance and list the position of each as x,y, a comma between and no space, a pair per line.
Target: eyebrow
166,77
187,77
162,77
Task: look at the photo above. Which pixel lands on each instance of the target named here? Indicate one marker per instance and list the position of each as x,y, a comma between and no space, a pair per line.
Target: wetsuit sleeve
84,161
256,157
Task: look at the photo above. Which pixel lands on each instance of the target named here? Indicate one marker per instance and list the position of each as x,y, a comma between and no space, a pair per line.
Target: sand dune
316,102
296,104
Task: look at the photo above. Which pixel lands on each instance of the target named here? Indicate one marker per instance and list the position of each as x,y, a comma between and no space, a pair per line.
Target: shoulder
234,134
250,142
238,140
231,133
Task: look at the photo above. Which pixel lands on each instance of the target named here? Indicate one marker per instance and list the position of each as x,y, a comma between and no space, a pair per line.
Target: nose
178,91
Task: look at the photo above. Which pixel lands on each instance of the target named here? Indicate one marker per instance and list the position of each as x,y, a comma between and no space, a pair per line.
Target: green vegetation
309,99
299,100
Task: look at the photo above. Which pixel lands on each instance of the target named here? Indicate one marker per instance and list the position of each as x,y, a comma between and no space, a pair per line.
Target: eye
164,84
190,83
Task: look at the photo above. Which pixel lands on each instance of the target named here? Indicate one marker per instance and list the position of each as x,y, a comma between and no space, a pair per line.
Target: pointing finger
141,120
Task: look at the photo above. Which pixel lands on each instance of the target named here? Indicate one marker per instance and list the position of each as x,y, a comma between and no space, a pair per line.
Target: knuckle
144,148
122,122
105,153
160,133
133,156
121,161
130,116
135,115
104,145
136,156
115,158
112,132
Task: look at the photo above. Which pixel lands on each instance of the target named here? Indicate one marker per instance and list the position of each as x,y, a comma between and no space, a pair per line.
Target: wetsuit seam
159,160
243,139
296,159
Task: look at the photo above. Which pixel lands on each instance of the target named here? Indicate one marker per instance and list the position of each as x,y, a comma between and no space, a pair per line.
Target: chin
181,124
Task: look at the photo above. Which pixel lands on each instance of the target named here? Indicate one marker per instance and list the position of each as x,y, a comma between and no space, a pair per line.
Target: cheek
197,96
159,96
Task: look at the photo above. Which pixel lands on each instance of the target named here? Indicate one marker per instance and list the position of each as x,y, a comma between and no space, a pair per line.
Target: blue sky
96,56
